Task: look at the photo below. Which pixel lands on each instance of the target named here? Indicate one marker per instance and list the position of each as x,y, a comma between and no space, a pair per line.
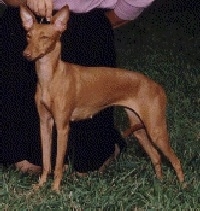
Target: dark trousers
20,125
88,41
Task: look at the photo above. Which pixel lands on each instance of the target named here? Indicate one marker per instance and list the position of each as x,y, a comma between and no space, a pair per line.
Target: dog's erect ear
60,19
27,17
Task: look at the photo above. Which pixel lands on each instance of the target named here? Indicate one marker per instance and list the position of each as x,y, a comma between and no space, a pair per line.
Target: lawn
164,44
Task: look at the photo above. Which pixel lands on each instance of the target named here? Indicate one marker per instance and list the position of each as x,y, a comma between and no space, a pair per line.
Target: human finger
49,8
41,7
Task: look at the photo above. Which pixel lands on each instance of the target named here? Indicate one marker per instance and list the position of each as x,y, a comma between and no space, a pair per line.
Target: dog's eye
44,37
28,36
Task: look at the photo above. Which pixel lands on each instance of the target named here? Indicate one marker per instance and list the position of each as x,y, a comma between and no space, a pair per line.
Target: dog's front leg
46,124
62,140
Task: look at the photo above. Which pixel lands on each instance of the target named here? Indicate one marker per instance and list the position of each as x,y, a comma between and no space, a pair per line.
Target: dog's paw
36,187
184,185
55,188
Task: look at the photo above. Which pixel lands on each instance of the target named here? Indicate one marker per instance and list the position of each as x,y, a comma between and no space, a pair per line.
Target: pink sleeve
130,9
58,4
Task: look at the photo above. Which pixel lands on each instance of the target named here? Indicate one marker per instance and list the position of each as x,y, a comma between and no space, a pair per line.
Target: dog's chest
44,71
43,96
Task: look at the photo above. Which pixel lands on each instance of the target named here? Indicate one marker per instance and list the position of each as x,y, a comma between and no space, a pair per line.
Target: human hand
115,20
41,7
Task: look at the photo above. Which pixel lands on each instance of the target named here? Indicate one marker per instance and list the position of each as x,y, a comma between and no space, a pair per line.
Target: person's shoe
26,166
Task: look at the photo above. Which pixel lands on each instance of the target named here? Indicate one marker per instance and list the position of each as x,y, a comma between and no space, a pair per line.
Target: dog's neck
48,64
46,68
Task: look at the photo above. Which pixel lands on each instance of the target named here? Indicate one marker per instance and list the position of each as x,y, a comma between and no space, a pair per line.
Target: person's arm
115,20
126,10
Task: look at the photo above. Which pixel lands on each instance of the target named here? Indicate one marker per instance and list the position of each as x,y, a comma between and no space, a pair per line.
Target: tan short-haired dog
67,92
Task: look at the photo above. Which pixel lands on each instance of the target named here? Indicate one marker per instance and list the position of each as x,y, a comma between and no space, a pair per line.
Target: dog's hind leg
154,118
140,133
160,137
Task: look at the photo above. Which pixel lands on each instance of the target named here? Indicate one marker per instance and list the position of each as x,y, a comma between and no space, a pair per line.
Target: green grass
168,52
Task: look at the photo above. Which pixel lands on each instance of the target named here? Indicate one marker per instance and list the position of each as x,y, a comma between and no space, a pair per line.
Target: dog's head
42,38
